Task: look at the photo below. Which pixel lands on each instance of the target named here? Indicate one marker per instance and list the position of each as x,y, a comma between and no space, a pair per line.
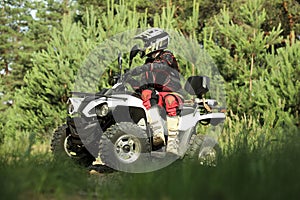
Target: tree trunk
251,72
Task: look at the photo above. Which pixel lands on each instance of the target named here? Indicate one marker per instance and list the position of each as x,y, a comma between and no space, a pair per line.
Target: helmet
154,39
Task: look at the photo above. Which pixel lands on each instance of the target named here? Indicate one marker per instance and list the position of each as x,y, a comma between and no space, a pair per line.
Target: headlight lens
71,108
102,110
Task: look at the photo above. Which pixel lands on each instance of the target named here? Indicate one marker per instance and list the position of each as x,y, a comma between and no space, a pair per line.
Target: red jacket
160,73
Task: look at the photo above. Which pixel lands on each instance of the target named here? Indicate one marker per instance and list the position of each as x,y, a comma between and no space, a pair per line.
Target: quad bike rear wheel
204,149
125,147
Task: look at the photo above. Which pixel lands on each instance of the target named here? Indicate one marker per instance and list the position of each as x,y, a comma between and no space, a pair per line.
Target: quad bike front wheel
125,147
58,140
62,146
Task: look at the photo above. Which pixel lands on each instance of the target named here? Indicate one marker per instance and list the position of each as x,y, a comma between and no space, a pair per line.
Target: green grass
39,176
241,175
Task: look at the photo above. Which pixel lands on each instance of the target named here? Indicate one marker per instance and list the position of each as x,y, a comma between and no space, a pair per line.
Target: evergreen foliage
256,52
40,106
254,44
262,79
240,51
25,29
15,17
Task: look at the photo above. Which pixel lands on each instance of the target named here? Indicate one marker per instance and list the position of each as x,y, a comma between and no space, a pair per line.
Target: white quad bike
114,125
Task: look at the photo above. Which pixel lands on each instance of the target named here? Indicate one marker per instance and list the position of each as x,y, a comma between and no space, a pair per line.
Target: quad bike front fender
116,100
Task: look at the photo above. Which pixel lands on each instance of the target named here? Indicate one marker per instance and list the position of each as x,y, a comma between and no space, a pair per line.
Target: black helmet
154,39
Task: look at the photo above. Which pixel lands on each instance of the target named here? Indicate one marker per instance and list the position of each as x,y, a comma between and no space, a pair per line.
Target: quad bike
114,125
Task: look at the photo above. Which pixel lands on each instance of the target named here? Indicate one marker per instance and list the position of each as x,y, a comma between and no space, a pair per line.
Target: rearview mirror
133,52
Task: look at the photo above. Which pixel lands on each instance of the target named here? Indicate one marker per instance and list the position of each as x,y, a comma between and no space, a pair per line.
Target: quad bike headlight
102,110
71,109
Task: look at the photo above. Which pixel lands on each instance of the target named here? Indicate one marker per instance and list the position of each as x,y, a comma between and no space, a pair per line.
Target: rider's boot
173,142
158,138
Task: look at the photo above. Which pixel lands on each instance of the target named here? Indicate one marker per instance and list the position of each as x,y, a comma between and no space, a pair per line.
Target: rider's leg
150,100
172,106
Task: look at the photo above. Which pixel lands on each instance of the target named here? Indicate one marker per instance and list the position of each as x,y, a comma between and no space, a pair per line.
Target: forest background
255,45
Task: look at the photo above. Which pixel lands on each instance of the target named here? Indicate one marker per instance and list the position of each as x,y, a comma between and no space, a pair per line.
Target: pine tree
243,45
22,35
41,105
1,111
287,14
48,16
15,17
281,84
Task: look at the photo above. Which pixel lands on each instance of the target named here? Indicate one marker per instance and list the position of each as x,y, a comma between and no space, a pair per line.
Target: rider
160,82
